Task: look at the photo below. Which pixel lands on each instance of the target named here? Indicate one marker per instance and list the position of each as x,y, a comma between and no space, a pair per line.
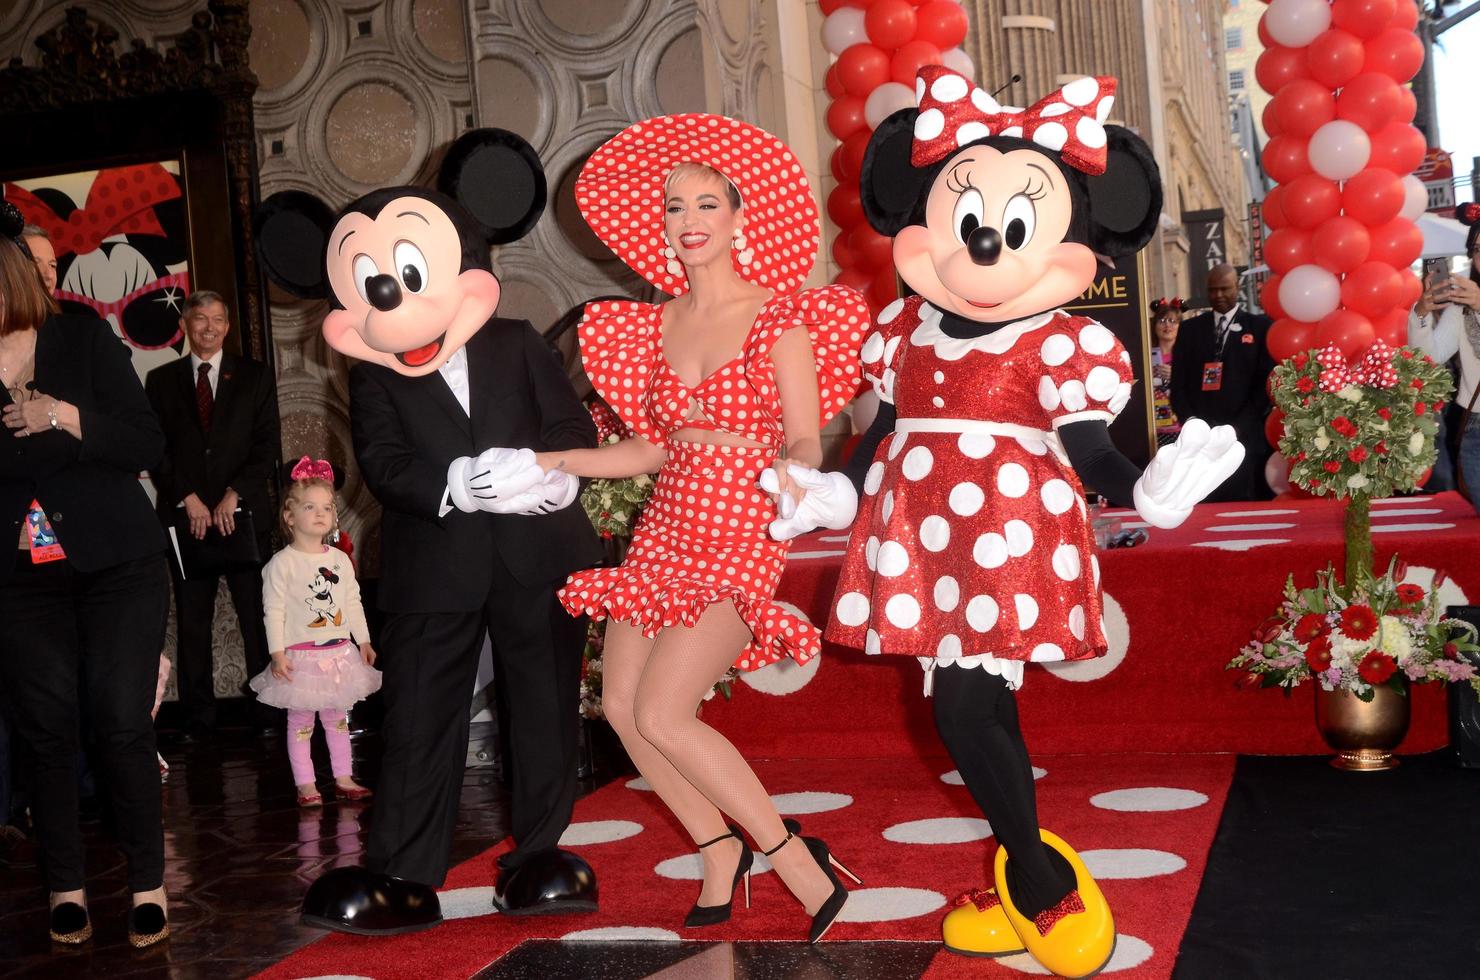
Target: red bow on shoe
954,112
982,898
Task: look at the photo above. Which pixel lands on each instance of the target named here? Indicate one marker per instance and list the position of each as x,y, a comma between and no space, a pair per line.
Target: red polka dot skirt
702,539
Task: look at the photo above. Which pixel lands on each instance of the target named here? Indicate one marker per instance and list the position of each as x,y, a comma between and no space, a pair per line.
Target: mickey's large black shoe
552,883
366,903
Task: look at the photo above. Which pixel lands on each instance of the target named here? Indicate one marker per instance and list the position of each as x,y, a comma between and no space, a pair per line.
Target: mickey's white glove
498,481
558,490
830,501
1185,472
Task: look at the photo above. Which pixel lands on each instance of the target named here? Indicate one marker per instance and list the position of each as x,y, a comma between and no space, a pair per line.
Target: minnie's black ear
292,229
498,178
890,185
1124,201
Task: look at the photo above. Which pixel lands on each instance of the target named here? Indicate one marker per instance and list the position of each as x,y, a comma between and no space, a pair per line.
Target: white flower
1393,639
1322,441
1357,482
1350,393
1415,443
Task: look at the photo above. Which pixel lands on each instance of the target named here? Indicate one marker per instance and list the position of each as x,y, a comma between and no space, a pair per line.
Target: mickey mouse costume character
470,541
972,548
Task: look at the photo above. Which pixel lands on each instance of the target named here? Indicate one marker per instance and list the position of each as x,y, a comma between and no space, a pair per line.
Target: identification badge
42,537
1212,376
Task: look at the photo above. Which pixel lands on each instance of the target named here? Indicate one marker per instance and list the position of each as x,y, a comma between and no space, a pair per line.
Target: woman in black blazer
87,591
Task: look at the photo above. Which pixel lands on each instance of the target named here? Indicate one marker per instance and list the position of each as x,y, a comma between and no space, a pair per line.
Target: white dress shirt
213,376
454,371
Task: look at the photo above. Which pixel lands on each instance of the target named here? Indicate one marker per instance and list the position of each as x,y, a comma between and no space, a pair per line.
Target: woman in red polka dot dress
731,379
972,548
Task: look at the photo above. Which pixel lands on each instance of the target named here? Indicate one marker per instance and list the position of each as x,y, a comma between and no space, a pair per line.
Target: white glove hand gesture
1182,474
557,490
827,500
498,481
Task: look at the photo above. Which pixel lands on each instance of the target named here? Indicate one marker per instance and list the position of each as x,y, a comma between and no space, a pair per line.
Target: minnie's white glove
558,490
830,501
498,481
1183,473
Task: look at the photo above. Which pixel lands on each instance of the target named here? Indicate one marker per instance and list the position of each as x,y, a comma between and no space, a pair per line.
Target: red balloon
1405,16
1269,296
1398,147
1274,209
854,278
1271,120
1335,57
1363,18
1266,39
845,116
1304,106
1287,337
910,58
1373,197
854,148
1396,53
1278,66
889,23
1398,243
842,252
1341,244
862,68
1411,291
883,290
1392,327
1310,201
844,206
1274,426
1285,158
941,22
828,6
832,82
1370,100
1350,331
1407,105
872,249
835,164
1287,248
1371,289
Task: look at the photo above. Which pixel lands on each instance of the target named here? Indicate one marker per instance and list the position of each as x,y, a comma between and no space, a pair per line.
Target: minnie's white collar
948,348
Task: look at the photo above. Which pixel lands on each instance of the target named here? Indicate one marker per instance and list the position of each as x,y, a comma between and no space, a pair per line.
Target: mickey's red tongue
420,356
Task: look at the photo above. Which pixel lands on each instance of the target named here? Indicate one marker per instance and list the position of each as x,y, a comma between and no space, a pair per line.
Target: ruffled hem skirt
328,677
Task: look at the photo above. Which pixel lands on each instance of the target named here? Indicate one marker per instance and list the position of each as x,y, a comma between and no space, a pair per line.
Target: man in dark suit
1220,365
220,419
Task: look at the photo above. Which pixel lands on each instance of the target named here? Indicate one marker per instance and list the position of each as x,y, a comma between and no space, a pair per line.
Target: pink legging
300,735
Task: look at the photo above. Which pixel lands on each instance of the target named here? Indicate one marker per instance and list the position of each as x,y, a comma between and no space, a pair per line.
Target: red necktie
205,401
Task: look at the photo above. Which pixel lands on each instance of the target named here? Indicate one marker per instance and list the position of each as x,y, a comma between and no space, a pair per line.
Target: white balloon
1415,198
1277,472
886,100
1296,23
842,29
1339,150
959,61
1309,292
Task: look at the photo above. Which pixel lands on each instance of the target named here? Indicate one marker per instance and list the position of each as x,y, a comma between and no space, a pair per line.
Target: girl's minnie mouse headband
1166,303
1468,214
312,469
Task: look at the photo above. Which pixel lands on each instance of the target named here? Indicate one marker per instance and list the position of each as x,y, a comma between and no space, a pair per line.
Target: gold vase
1364,734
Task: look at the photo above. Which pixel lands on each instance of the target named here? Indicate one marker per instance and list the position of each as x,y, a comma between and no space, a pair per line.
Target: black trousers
195,611
976,716
110,624
430,662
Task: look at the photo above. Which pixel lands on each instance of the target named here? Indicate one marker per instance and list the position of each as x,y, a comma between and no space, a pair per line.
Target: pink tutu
331,676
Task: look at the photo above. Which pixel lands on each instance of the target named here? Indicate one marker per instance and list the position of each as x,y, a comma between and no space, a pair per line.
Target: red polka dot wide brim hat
620,193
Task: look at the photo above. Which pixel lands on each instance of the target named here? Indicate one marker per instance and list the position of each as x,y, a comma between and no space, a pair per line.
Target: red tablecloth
1179,607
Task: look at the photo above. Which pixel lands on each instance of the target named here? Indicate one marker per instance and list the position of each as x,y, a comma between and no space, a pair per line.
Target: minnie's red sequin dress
972,544
703,536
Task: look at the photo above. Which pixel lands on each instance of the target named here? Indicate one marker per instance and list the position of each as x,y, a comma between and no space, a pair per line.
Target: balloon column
879,46
1342,151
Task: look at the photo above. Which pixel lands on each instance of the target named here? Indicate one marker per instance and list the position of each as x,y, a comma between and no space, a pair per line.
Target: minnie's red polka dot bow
1376,369
954,112
120,202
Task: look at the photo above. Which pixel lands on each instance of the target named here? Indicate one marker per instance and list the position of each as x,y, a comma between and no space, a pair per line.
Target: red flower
1451,652
1268,630
1407,354
1380,448
1419,408
1385,414
1416,383
1310,626
1358,622
1332,466
1357,454
1438,406
1300,458
1301,359
1376,668
1344,425
1408,592
1318,653
1305,385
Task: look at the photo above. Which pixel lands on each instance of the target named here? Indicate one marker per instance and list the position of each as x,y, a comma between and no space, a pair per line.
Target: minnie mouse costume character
470,540
972,548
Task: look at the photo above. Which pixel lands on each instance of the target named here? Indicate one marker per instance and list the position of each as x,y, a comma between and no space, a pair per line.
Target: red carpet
915,840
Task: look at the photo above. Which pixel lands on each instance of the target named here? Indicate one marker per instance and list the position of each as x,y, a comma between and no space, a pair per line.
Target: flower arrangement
613,505
1391,634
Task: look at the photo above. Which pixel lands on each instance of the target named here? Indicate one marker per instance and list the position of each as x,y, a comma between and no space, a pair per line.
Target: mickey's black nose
385,292
985,245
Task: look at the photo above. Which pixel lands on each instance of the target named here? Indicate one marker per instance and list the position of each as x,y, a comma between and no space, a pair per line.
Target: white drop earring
674,267
743,254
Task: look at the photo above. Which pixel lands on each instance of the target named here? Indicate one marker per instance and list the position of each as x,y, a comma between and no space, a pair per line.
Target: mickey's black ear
890,185
498,178
1124,201
292,230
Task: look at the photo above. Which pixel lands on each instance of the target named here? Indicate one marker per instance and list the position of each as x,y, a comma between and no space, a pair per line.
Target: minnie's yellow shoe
978,926
1073,939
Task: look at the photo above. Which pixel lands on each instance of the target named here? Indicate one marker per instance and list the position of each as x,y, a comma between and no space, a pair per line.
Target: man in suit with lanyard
1220,366
220,419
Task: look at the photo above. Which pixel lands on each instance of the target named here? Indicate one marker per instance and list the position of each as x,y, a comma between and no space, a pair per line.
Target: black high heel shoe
823,920
711,915
70,924
147,925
